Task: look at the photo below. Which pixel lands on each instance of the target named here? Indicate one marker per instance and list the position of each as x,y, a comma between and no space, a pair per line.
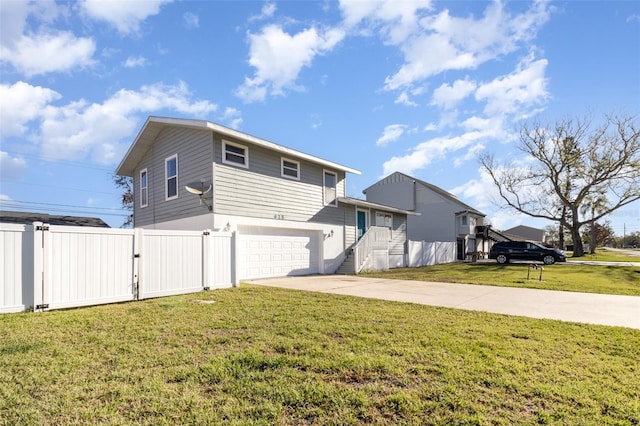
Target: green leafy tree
567,164
598,235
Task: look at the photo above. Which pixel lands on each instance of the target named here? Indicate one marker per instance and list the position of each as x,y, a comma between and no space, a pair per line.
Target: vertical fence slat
52,267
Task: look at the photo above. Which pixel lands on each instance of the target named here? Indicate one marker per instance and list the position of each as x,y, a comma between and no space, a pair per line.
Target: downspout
414,195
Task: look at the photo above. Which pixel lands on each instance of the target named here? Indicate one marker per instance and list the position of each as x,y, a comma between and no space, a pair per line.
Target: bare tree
125,183
567,166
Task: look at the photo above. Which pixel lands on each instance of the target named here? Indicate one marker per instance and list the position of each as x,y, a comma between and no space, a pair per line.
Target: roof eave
363,203
128,163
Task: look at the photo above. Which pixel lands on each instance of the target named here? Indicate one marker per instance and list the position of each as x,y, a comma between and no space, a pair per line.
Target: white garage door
276,252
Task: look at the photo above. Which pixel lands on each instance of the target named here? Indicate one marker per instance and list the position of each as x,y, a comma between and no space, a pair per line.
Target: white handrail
376,238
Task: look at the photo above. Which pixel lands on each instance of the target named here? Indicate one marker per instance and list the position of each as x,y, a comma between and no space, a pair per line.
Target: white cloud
390,134
135,62
526,86
40,50
442,42
633,18
279,57
11,167
191,20
403,99
125,16
395,20
21,103
7,201
268,10
80,130
426,152
232,117
447,96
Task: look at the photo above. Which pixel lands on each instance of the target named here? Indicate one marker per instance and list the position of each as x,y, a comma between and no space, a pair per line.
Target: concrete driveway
601,309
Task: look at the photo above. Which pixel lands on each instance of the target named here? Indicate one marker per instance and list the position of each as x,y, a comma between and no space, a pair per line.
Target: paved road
587,308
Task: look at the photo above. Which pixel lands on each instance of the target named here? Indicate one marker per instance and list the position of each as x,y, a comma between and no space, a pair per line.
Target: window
384,219
464,220
171,177
330,184
144,188
290,169
237,155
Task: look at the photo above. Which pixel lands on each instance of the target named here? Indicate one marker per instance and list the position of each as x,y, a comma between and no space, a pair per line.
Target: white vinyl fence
424,253
54,267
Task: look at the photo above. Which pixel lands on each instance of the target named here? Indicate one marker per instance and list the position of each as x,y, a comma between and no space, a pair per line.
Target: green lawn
605,255
624,280
263,355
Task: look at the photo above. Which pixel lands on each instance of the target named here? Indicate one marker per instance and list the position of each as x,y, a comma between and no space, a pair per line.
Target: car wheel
501,258
549,260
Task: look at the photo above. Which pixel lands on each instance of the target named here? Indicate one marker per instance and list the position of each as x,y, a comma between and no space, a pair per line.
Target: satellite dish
199,188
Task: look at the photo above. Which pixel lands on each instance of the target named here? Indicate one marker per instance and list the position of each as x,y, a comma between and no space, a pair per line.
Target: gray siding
399,235
437,220
350,228
260,191
195,156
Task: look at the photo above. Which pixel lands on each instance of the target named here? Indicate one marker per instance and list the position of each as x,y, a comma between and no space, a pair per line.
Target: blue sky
420,87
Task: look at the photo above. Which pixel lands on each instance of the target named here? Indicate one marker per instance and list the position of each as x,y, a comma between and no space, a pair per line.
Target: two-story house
443,217
289,209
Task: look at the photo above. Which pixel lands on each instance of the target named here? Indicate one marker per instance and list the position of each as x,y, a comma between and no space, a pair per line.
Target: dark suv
504,251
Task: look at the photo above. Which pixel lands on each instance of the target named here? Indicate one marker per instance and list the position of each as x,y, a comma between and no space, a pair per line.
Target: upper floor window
290,169
171,177
330,186
235,154
144,188
464,220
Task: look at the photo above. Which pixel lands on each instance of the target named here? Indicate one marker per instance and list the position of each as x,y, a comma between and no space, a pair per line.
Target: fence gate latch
42,228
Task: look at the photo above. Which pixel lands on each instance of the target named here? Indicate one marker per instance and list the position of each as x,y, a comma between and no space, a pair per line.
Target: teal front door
362,223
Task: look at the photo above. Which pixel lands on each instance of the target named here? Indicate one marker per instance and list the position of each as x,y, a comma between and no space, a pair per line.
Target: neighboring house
27,218
526,233
443,217
289,208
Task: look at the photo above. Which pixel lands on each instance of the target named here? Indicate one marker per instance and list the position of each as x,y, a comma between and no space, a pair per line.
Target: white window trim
297,163
384,216
145,171
367,219
335,201
233,163
166,178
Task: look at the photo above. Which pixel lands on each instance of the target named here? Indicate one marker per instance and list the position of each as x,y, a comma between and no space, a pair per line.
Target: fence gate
82,266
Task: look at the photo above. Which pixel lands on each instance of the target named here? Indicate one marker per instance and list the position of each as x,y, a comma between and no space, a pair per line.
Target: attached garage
275,252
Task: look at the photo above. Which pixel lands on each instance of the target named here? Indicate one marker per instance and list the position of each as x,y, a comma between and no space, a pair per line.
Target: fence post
207,266
40,245
235,273
138,235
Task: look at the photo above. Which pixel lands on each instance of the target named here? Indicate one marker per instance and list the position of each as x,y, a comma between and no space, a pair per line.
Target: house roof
154,125
521,228
27,218
368,204
465,208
